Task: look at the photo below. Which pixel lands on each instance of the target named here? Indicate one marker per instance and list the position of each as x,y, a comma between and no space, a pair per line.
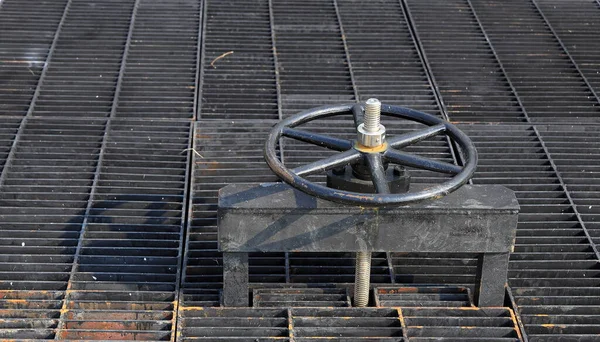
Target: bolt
339,171
362,279
399,171
372,115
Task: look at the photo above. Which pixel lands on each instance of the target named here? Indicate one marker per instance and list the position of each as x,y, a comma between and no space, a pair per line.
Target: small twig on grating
212,64
188,149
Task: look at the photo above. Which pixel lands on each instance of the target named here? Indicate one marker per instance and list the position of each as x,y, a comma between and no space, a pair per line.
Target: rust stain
367,149
468,308
102,325
513,317
193,308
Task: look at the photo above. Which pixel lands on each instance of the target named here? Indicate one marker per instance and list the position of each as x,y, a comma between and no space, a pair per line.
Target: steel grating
99,161
159,80
573,23
468,77
26,30
238,62
423,296
347,324
310,79
549,84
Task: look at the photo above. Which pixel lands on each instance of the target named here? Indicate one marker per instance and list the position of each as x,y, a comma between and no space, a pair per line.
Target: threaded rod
362,279
372,115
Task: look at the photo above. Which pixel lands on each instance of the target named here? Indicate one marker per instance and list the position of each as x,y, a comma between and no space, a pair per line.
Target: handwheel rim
364,199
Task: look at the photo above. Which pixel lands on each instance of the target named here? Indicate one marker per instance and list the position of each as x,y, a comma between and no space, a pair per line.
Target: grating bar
128,264
344,324
44,196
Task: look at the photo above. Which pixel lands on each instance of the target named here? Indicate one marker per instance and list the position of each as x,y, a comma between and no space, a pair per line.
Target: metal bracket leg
492,273
235,279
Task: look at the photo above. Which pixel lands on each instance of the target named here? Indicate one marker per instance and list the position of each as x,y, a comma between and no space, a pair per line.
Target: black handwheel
374,155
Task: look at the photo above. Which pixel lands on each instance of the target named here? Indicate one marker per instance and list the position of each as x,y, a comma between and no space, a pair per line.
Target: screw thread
362,279
372,115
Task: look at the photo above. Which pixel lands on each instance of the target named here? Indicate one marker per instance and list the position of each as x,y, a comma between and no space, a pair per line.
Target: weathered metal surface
423,296
349,324
492,272
300,297
235,275
276,217
398,180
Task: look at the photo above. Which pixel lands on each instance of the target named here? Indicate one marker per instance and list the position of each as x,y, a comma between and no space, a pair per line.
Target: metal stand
278,218
492,274
235,275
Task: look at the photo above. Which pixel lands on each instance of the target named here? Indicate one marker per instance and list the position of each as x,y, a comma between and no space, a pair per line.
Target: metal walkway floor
120,119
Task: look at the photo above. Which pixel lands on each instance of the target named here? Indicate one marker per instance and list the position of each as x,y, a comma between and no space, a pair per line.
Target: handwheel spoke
377,173
412,160
340,159
416,136
357,114
317,139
